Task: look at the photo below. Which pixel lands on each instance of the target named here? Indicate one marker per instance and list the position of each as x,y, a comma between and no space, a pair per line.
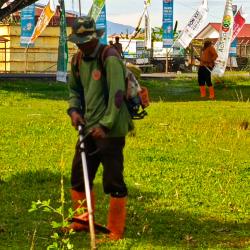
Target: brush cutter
92,225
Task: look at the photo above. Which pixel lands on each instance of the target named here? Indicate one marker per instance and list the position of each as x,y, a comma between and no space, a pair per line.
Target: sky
129,11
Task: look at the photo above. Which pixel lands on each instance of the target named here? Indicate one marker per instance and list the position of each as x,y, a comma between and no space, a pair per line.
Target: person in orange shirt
207,60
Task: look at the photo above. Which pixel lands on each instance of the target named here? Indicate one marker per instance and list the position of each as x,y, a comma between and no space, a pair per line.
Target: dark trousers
109,152
204,76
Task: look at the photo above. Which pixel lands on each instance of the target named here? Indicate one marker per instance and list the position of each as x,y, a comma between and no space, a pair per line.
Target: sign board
101,23
167,23
27,24
141,53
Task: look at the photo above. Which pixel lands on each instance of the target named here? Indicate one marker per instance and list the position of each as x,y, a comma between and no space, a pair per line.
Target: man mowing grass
105,118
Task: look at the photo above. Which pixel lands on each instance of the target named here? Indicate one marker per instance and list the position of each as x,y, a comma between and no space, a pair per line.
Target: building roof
55,20
244,33
40,7
211,27
216,26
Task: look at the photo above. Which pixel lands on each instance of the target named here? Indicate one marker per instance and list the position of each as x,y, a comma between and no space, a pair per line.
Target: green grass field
187,167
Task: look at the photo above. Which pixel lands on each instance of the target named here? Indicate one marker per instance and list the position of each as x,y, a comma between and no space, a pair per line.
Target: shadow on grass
163,226
147,226
186,90
171,90
40,89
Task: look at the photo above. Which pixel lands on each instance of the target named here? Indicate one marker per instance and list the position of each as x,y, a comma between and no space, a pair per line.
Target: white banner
194,25
223,45
147,27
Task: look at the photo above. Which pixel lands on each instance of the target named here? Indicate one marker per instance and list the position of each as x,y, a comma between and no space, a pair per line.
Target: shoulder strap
75,62
100,59
104,52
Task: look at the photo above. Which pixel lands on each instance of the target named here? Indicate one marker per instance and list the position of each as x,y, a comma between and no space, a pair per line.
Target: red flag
239,21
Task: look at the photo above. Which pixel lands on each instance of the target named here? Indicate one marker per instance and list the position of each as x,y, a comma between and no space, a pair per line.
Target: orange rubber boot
117,217
78,198
211,92
203,91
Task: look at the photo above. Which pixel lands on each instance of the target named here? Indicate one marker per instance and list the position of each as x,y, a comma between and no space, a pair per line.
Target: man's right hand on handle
76,119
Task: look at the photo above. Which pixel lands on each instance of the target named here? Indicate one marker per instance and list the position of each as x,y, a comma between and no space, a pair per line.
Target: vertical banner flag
167,23
233,47
232,61
48,12
225,39
96,8
27,24
101,23
62,61
194,25
239,21
147,25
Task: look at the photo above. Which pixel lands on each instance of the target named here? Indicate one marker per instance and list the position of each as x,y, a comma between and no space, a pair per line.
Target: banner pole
166,70
137,29
80,8
26,58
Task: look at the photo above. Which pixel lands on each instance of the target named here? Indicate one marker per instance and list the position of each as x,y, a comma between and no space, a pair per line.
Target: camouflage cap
84,30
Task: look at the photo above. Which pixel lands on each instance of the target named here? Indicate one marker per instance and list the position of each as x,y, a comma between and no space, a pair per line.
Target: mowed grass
187,166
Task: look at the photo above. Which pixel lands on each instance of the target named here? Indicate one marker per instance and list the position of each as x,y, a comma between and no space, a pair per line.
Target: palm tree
157,34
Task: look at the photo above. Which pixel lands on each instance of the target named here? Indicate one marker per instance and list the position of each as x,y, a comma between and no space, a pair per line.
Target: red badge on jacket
96,74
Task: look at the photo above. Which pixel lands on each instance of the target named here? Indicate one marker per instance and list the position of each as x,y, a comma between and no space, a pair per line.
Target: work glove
76,119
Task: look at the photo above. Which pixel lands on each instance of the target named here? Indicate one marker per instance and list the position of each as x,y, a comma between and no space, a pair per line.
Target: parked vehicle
155,60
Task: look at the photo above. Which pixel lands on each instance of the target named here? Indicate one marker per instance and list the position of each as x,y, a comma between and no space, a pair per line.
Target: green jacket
87,94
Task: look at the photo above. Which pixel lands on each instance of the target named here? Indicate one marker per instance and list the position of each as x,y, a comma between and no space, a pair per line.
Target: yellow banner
48,12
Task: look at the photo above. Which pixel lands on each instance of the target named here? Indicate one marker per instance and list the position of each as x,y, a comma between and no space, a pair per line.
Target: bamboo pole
5,59
26,58
166,70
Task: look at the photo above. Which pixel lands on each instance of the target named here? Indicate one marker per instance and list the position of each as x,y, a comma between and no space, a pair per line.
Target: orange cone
117,217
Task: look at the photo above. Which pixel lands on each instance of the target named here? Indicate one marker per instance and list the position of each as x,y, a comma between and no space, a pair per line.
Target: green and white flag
96,8
62,61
